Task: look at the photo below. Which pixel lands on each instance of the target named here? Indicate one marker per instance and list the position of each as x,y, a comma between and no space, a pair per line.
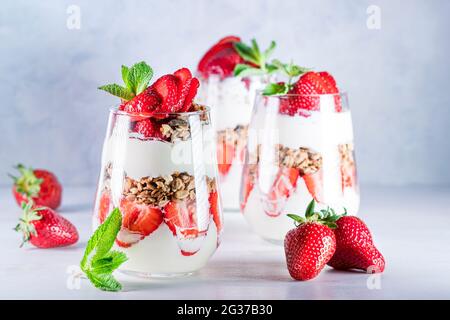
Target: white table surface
411,227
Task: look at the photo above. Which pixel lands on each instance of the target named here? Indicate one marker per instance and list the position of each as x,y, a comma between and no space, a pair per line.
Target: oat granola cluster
176,130
158,191
303,159
346,154
233,136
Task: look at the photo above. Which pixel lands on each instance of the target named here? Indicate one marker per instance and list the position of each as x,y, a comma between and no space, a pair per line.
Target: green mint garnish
326,217
253,55
99,261
288,69
136,80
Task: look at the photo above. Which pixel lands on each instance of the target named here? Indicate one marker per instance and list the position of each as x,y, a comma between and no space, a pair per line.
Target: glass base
150,275
274,242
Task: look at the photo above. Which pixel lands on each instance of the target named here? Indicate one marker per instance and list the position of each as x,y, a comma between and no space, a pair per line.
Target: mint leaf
104,281
118,91
125,71
275,88
291,70
244,70
99,262
138,77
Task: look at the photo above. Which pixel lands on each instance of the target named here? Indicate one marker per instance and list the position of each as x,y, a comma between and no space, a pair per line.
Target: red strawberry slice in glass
248,183
104,205
194,84
181,218
138,222
314,184
149,128
144,103
220,59
214,210
284,185
225,155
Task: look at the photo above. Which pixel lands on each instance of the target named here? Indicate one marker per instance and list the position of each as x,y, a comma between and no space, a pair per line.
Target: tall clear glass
295,155
232,99
165,186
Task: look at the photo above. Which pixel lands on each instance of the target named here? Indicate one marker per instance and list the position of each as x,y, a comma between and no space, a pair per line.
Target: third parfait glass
294,158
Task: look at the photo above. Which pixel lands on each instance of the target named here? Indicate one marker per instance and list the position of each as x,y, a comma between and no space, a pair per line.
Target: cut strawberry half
220,59
214,209
284,185
225,156
181,218
149,128
138,222
194,84
145,103
248,183
104,205
314,184
167,89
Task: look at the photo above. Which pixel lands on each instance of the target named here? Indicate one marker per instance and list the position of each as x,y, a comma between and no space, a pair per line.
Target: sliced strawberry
225,155
220,59
194,84
214,210
248,183
146,102
181,218
139,221
149,128
167,89
282,188
104,205
314,184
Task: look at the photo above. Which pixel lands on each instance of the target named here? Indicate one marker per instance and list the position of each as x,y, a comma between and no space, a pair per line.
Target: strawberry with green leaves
99,261
232,57
38,185
311,244
45,228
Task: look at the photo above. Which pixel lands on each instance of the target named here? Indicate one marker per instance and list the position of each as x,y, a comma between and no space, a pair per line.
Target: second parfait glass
165,187
294,156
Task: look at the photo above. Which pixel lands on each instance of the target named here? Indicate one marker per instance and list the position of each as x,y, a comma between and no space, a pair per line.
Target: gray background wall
398,77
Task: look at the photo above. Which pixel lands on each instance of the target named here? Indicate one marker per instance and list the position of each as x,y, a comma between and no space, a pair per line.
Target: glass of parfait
164,183
296,155
231,94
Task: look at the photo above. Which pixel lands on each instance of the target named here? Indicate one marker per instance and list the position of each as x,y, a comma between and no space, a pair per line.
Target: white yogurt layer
159,253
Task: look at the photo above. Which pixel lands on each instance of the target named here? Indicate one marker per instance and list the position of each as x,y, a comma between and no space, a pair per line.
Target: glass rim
291,95
115,110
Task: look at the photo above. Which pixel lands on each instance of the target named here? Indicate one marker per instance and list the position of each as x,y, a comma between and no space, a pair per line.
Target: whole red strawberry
354,247
40,186
309,87
311,244
45,228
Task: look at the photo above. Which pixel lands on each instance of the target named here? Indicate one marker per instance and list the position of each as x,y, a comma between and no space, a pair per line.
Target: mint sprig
99,261
290,70
256,58
326,217
135,78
